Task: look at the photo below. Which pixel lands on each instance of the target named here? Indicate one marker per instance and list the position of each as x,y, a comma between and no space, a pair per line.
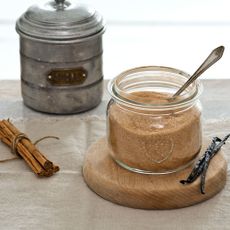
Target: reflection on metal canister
61,57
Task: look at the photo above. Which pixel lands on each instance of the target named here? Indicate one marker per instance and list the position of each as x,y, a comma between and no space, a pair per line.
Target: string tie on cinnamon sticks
22,146
15,141
20,136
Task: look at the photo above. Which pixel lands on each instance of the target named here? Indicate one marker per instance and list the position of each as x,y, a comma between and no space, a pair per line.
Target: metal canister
61,57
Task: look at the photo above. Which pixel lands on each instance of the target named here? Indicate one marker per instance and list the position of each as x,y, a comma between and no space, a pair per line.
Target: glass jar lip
118,94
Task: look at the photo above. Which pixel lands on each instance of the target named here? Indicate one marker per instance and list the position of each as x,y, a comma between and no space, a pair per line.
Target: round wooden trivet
113,183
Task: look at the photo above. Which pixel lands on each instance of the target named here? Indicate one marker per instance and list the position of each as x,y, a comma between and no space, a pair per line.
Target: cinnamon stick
46,164
22,151
32,156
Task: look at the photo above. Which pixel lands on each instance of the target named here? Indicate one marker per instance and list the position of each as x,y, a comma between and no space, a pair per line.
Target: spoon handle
213,57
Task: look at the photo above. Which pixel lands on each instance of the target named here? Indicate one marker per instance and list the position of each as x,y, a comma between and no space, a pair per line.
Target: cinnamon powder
153,141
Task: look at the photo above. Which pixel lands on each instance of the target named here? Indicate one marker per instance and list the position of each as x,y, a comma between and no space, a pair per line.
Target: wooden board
113,183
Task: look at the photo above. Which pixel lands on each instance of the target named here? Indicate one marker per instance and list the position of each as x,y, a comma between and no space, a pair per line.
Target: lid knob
60,2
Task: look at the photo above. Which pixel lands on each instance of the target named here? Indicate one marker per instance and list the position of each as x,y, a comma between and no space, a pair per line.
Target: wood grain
126,188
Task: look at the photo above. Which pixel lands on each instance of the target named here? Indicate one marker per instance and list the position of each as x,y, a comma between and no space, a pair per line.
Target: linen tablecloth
64,201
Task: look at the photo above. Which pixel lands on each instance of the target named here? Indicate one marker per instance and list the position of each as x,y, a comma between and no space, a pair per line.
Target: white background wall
176,33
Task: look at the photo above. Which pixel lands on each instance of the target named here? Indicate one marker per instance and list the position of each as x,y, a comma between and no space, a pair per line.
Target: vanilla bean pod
201,167
203,174
208,158
222,142
198,168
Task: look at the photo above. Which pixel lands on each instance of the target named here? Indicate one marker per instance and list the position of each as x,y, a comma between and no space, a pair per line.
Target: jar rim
190,95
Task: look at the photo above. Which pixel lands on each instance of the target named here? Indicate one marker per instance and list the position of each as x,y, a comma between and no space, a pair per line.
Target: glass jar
147,132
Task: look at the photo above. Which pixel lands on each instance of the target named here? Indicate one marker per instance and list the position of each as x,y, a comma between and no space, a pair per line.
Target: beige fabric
65,202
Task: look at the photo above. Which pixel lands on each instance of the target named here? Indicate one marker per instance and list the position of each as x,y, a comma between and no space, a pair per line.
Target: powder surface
150,97
153,141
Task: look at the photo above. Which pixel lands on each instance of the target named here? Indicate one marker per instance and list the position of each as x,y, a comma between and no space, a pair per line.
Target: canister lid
60,20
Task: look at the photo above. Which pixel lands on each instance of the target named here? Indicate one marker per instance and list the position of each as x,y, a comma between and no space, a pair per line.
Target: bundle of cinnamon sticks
21,145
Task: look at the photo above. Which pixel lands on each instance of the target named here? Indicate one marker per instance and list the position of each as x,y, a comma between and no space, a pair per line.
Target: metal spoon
213,57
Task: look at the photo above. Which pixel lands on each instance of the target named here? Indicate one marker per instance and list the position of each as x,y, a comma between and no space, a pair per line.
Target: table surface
64,201
215,101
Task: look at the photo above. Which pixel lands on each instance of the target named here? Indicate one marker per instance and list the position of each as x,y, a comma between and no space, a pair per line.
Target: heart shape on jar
158,149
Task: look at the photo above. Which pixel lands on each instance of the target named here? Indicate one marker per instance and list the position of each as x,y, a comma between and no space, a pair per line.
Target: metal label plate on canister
66,77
